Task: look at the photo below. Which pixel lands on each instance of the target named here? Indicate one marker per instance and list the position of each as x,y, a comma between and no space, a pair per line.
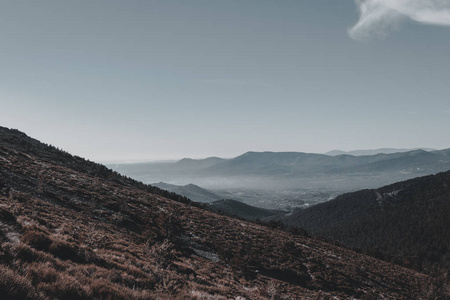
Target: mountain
288,164
406,222
266,163
242,210
373,152
191,191
226,206
180,172
73,229
290,170
199,163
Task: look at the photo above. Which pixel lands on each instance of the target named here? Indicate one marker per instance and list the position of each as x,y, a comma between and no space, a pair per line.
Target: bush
65,251
163,253
42,272
66,287
102,289
14,286
7,217
37,240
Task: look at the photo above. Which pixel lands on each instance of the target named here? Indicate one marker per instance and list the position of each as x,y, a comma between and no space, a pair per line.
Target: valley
288,180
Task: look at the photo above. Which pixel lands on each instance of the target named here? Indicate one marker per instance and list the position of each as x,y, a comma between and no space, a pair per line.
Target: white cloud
379,17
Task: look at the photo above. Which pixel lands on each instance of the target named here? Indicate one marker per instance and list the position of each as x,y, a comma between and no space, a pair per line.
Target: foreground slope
70,229
406,222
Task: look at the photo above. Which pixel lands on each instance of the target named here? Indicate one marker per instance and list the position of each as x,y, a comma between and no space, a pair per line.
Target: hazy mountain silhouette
187,163
288,170
374,151
297,163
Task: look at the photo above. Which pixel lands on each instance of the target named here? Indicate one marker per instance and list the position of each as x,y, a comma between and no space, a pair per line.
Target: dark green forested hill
407,222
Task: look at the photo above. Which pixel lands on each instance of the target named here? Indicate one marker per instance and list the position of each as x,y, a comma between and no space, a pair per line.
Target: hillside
216,203
71,229
407,222
191,191
242,210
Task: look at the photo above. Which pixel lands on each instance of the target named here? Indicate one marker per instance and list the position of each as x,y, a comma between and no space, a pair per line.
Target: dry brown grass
14,286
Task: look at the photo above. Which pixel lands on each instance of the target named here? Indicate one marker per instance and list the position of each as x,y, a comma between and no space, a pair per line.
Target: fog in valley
285,180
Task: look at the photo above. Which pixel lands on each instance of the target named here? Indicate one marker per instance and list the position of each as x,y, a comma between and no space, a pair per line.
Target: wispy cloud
379,17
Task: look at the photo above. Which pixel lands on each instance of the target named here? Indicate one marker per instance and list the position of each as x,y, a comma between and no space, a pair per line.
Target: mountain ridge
285,170
374,151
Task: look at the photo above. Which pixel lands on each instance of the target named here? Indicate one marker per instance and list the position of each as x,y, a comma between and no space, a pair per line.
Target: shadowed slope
406,222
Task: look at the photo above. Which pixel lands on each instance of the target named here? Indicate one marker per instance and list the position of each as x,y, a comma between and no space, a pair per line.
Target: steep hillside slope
71,229
406,222
216,203
242,210
192,191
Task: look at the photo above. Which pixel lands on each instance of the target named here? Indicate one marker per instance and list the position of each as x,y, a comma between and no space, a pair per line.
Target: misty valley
286,180
279,199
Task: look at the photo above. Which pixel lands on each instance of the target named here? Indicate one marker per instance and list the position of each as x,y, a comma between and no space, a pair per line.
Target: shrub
66,287
102,289
14,286
42,272
37,240
65,251
7,217
24,252
163,253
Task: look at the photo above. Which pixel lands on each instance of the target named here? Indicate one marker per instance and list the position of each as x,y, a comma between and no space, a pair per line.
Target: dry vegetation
69,229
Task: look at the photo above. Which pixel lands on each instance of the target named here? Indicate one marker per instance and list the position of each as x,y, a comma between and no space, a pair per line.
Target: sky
116,81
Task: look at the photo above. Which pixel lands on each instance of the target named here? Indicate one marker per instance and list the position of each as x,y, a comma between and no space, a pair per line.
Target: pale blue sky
145,80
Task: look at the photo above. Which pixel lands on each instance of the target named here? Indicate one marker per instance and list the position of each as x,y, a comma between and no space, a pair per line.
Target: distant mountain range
281,170
374,151
292,164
